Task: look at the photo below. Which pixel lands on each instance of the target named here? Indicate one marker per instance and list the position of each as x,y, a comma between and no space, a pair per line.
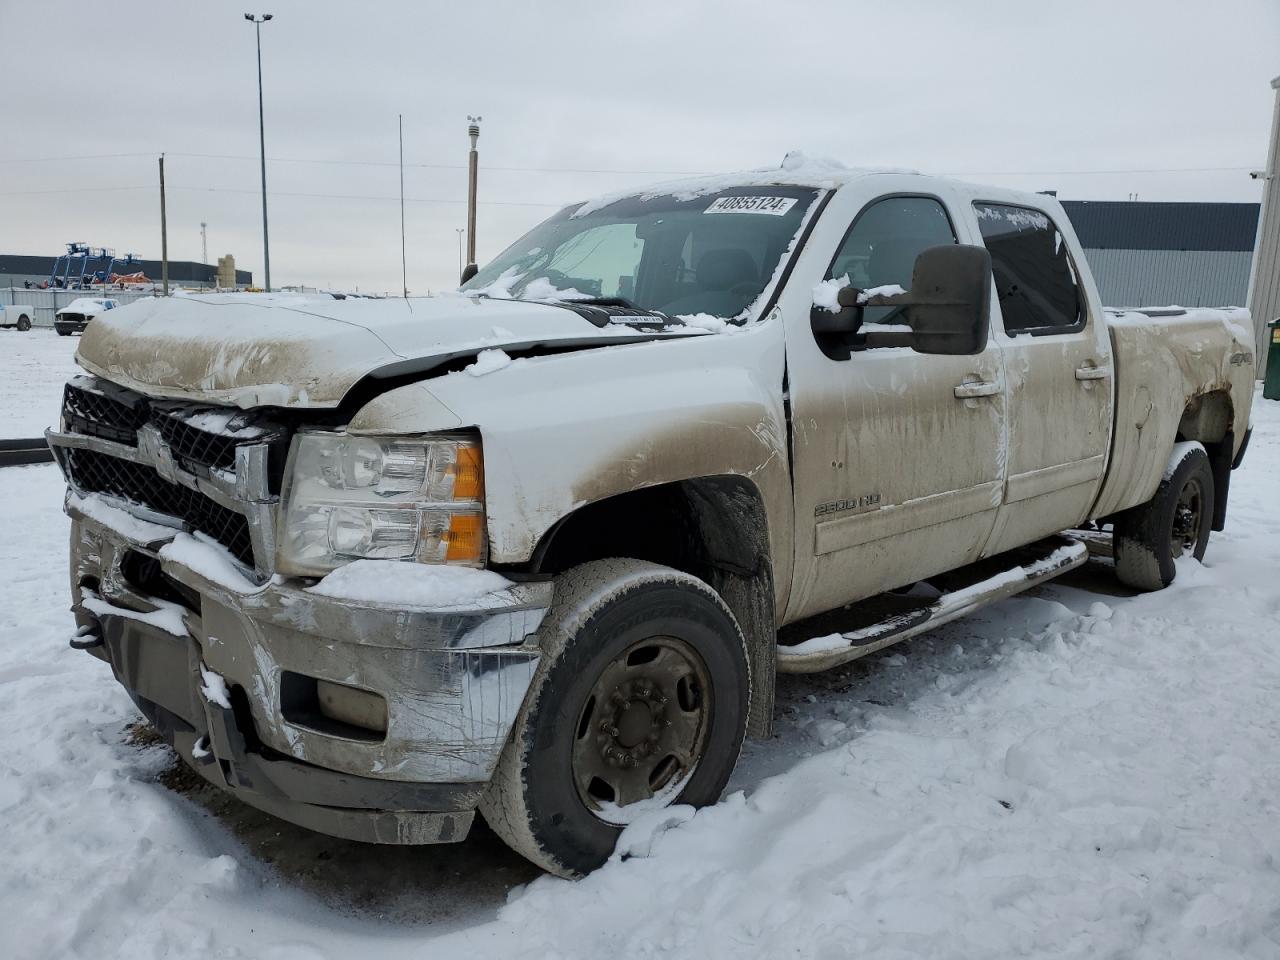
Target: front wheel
1172,524
24,323
640,702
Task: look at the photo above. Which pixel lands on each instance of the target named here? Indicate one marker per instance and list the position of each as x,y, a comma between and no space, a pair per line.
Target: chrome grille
95,472
215,469
116,417
196,448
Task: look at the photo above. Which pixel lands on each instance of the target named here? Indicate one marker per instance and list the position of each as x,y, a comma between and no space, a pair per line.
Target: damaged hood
251,350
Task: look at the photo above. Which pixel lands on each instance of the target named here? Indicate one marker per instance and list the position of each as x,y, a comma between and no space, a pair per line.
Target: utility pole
204,243
262,145
473,167
459,231
404,263
164,235
1264,277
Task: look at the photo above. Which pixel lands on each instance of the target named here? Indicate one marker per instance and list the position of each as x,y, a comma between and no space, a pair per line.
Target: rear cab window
1037,285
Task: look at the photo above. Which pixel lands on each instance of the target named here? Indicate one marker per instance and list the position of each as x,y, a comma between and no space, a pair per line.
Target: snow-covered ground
1079,773
35,365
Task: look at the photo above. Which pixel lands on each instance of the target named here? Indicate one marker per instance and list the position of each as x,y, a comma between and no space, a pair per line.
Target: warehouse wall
1188,278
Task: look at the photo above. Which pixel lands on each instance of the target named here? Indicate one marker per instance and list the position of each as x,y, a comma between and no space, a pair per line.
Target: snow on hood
89,305
298,351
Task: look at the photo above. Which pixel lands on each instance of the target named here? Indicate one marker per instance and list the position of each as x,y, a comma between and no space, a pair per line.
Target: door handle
1087,371
979,388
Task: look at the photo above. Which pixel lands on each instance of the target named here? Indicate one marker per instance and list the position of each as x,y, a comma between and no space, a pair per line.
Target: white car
17,315
75,316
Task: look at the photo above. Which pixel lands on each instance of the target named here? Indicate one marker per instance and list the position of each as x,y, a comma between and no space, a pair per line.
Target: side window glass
1036,281
882,245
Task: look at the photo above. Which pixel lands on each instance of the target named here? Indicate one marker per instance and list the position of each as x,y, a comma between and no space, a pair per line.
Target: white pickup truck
75,316
540,547
17,315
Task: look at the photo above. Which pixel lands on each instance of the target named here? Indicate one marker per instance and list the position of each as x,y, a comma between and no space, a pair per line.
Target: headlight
348,497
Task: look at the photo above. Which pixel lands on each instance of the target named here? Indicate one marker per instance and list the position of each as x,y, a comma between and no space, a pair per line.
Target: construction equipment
74,265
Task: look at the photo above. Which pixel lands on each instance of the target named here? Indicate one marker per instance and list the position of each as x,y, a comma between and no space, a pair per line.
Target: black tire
1174,522
64,333
24,323
605,615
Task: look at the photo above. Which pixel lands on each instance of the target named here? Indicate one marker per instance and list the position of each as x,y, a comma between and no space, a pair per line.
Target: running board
1024,568
1099,542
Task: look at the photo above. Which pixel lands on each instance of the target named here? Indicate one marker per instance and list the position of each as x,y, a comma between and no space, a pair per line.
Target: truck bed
1175,370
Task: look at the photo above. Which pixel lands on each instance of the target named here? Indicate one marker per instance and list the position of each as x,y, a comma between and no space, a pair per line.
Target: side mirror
949,305
947,308
469,271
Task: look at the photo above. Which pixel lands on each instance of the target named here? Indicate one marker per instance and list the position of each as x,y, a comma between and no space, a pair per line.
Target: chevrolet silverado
538,547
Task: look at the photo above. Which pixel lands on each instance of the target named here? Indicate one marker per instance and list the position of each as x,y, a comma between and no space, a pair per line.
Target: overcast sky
579,97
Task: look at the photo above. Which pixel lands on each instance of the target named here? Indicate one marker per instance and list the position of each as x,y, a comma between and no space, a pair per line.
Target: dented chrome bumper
452,680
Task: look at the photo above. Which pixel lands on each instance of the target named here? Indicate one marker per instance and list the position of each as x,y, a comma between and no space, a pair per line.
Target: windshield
712,254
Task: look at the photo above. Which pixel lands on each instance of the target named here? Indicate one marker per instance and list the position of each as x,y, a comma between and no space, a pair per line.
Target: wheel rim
1188,518
642,729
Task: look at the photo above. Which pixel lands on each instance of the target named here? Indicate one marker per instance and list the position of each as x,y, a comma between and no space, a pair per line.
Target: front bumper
453,681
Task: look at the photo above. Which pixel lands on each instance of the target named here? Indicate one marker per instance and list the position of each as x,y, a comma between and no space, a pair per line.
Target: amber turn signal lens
468,474
465,538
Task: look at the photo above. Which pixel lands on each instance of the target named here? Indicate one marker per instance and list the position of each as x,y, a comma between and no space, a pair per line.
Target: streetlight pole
164,235
404,263
262,145
473,166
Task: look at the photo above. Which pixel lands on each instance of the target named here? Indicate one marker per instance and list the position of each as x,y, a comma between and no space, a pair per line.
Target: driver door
897,454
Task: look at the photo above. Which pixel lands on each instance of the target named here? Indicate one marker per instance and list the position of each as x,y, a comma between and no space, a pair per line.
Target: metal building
18,269
1157,254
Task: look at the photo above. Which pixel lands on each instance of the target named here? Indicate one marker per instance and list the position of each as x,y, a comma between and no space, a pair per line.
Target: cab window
882,245
1036,282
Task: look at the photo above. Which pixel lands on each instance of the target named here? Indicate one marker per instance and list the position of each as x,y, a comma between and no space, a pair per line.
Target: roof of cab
797,169
800,169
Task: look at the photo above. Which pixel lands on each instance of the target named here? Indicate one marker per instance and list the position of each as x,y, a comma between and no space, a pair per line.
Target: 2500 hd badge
865,502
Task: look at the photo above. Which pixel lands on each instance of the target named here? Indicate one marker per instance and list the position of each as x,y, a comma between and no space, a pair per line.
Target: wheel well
1208,419
714,528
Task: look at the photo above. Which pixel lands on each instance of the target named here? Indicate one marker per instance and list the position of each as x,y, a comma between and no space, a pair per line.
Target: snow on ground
1077,773
36,364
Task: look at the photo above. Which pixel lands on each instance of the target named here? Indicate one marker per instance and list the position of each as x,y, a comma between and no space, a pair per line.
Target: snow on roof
797,169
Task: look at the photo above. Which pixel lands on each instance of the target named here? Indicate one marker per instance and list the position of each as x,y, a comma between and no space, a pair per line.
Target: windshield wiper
606,302
603,311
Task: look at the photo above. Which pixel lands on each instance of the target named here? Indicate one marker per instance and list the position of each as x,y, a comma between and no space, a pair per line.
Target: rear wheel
24,323
1172,524
640,702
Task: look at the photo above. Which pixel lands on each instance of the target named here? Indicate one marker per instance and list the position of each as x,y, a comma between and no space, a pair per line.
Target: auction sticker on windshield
774,206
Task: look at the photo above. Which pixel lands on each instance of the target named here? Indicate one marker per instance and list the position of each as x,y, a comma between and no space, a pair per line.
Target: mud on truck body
539,548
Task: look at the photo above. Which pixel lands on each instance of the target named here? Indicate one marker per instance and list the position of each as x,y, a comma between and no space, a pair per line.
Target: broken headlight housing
349,497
